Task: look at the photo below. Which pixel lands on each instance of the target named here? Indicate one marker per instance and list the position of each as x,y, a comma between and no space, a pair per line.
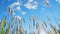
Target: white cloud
58,1
33,5
28,6
30,0
23,13
35,2
18,8
15,4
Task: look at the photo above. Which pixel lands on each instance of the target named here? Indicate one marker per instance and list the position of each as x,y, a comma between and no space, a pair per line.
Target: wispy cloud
30,0
15,4
58,1
18,8
23,13
32,5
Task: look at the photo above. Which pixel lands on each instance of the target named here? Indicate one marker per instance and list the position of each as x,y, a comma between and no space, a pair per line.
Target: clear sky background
32,8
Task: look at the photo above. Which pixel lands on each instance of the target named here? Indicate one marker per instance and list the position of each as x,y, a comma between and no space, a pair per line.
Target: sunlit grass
21,29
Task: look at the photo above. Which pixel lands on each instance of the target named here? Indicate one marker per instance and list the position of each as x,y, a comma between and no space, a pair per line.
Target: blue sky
32,8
